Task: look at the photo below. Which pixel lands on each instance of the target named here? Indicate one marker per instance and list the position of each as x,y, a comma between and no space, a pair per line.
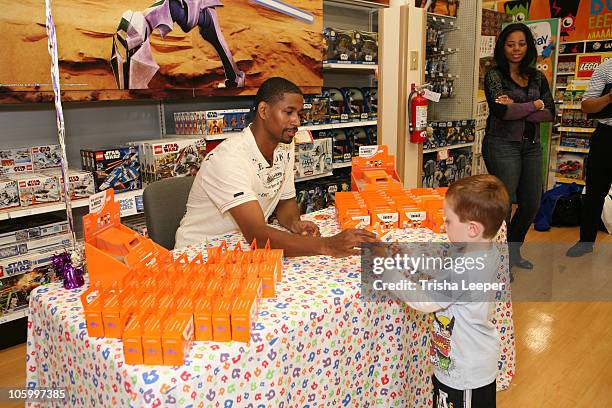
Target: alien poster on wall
581,20
157,48
546,35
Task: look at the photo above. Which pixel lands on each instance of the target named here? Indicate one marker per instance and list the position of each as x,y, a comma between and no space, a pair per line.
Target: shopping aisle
564,350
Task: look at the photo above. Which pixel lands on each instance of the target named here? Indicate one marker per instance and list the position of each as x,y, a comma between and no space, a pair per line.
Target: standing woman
519,99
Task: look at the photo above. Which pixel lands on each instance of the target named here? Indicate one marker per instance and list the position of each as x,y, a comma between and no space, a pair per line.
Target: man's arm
251,221
592,100
288,215
595,105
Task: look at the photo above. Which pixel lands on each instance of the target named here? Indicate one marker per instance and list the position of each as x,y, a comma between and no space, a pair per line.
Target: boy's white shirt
472,343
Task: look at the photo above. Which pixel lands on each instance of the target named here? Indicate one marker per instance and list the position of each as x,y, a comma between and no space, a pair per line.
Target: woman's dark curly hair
526,66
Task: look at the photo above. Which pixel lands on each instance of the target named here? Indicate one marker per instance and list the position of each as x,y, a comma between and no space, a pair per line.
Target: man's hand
504,100
348,242
305,228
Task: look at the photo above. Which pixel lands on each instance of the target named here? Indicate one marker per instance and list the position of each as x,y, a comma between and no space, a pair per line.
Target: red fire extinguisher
417,121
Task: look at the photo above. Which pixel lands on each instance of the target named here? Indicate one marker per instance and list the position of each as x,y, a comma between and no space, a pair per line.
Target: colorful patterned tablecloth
317,344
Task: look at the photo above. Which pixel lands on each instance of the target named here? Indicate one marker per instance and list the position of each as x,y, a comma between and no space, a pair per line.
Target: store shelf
316,176
342,165
19,314
572,149
569,181
19,212
457,146
576,129
565,73
571,106
349,66
561,87
328,126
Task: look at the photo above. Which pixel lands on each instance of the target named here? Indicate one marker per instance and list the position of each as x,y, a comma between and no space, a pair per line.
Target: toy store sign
586,64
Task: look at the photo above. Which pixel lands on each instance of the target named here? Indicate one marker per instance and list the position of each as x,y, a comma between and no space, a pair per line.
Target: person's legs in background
503,160
598,180
528,196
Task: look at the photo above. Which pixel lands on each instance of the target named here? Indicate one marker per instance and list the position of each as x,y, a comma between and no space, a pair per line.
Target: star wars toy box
80,183
337,107
15,161
340,45
225,121
9,193
440,169
46,157
36,188
173,157
341,144
370,98
316,109
359,137
366,47
313,158
31,228
116,167
354,104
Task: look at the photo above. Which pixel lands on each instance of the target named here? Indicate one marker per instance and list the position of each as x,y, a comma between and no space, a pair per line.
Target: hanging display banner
135,49
587,63
585,20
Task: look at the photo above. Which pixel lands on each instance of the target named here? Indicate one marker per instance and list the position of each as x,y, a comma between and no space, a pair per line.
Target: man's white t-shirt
235,173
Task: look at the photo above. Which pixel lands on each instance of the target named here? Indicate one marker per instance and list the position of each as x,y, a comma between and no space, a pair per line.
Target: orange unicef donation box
152,341
111,248
132,341
222,330
379,168
93,302
244,313
176,340
202,316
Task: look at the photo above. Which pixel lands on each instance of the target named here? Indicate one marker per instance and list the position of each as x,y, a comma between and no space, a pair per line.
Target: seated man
249,176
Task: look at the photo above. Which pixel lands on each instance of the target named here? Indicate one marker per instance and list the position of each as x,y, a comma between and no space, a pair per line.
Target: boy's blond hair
483,199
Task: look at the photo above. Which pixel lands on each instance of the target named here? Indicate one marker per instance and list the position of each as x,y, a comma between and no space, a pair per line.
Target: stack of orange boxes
159,305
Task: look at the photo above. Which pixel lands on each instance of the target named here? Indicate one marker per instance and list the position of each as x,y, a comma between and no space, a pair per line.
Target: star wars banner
580,20
132,48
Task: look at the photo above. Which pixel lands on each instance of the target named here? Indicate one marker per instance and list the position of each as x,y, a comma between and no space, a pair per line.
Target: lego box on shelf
173,157
9,193
80,183
36,245
33,227
113,167
36,188
570,165
46,157
226,120
15,161
313,158
15,290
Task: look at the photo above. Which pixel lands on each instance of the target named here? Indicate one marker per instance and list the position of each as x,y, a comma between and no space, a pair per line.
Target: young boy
464,342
